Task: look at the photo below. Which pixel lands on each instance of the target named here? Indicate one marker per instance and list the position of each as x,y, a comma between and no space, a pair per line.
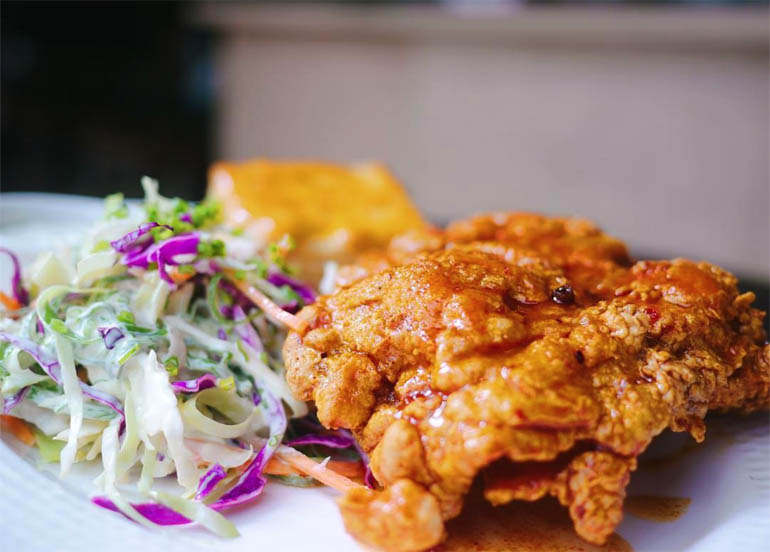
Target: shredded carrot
9,302
315,470
276,466
18,428
179,277
348,468
263,302
287,461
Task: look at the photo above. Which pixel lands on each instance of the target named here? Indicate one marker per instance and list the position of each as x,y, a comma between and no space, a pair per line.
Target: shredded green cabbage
130,321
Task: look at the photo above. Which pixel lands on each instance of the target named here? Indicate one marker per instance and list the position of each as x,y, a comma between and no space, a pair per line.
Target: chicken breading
586,255
529,351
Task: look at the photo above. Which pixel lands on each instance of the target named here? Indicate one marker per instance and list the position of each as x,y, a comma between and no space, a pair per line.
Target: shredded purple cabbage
304,291
311,425
369,478
137,257
206,381
169,250
18,291
344,434
39,326
156,513
238,297
291,307
166,253
110,335
14,399
186,217
209,481
128,243
331,441
248,486
221,334
246,331
206,266
52,369
226,310
251,482
49,364
106,399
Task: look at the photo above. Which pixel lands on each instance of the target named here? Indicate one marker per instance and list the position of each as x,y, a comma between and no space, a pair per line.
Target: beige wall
655,125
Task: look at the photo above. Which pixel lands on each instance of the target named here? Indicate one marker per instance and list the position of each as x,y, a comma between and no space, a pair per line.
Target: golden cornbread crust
333,212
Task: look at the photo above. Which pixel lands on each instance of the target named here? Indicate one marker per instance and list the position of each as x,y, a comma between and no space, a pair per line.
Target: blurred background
651,119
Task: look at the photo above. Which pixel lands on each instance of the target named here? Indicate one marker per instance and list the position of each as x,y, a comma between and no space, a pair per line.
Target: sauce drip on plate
656,508
542,526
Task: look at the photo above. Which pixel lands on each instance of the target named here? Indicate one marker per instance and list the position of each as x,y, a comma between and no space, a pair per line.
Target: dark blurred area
95,95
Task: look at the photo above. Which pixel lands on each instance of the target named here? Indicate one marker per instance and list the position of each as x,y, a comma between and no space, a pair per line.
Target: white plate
727,477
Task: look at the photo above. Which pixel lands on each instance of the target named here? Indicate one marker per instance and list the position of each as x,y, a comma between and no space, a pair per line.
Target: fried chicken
587,256
526,351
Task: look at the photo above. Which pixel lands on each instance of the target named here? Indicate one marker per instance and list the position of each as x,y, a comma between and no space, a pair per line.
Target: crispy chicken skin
588,257
525,350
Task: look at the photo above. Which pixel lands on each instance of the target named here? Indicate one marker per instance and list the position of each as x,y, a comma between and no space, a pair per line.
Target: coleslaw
155,347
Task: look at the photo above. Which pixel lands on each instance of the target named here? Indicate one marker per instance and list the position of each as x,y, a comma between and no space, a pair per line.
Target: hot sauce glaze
542,526
656,508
